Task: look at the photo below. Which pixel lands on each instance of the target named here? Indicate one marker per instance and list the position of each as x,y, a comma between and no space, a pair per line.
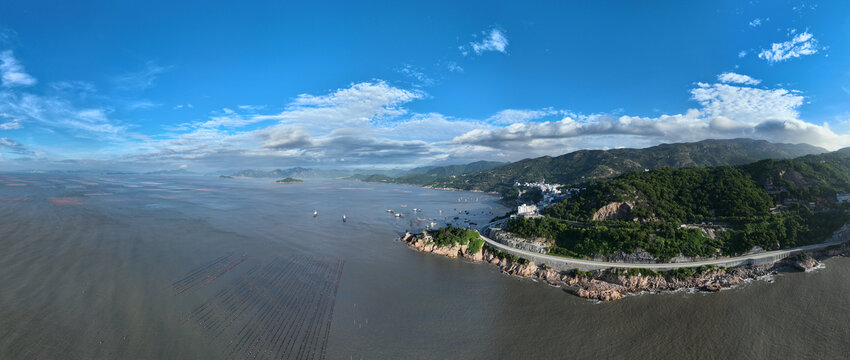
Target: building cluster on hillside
552,193
543,186
819,203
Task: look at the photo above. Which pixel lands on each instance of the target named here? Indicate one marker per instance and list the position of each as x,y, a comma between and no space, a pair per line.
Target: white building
525,210
842,197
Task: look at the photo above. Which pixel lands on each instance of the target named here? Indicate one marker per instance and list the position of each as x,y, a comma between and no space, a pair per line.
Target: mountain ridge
585,165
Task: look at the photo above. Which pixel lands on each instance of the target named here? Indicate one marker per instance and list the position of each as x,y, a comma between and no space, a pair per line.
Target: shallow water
89,274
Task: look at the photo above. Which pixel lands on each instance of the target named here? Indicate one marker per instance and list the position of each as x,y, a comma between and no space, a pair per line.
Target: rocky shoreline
456,189
614,284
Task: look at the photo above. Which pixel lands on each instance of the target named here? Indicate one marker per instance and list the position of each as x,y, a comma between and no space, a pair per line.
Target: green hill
427,175
770,203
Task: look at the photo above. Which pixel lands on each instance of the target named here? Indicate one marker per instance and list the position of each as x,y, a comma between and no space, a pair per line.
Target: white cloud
734,78
12,72
14,147
142,79
10,125
60,113
758,22
454,67
432,127
74,87
526,134
359,104
9,122
142,104
744,103
801,44
742,53
727,111
494,40
285,137
419,77
357,123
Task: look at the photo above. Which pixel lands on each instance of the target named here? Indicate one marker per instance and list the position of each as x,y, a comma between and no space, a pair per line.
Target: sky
216,85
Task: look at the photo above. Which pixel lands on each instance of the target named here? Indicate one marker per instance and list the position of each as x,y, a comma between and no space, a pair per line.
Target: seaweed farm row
280,309
205,274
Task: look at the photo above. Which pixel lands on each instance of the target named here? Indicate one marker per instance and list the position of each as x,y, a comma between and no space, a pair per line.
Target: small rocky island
288,180
609,284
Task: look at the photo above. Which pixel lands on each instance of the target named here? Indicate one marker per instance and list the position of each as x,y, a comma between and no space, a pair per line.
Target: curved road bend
564,263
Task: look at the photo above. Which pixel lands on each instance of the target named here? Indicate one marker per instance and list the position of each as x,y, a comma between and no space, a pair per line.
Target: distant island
288,180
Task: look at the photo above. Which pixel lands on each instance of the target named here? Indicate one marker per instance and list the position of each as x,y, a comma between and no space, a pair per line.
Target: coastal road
564,263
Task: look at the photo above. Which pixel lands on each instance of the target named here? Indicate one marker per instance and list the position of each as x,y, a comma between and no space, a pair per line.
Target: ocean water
121,266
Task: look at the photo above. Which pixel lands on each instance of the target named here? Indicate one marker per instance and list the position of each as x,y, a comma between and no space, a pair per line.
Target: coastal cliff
614,284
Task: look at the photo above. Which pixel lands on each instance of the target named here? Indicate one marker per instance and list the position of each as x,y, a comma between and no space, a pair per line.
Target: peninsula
666,229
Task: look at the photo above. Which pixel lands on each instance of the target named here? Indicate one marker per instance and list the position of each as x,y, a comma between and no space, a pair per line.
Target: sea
202,267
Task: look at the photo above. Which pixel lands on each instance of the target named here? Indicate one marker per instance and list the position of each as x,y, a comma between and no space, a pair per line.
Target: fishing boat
315,213
344,219
390,211
397,215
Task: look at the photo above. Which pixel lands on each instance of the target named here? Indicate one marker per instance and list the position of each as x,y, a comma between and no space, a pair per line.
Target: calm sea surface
125,267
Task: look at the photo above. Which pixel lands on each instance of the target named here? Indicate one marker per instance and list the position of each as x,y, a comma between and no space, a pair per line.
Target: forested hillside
585,165
771,204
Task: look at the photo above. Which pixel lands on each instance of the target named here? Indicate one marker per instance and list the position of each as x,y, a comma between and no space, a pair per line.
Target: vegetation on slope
738,197
450,235
676,195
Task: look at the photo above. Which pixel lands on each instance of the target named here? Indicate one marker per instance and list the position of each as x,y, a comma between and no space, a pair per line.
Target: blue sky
224,85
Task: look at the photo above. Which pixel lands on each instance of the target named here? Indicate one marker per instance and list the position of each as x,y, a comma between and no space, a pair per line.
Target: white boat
397,215
390,211
315,213
344,219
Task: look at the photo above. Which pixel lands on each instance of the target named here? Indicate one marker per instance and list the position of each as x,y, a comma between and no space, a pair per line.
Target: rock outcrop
614,211
803,262
614,284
